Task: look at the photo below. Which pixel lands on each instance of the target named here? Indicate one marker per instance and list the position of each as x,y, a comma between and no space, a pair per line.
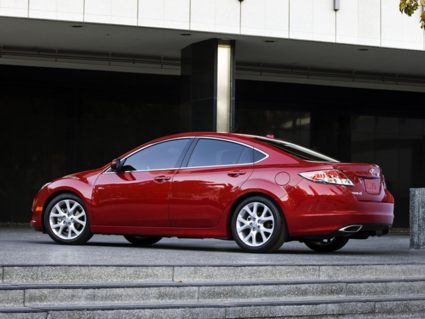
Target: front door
138,196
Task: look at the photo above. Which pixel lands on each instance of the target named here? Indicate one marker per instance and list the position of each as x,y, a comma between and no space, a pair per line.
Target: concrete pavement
23,246
191,278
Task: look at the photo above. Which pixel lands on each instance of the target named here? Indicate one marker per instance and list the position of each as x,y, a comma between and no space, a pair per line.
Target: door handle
236,173
162,178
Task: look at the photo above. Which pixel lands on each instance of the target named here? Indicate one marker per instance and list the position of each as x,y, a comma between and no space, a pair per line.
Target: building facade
82,81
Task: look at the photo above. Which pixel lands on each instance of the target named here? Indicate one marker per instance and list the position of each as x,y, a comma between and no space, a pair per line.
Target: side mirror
116,165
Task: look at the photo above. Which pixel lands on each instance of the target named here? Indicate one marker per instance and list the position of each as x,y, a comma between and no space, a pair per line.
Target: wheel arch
245,196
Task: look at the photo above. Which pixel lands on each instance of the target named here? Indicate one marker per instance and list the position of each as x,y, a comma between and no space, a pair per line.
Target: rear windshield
297,151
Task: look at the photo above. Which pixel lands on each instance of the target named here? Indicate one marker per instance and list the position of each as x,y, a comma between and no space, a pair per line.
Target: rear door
201,191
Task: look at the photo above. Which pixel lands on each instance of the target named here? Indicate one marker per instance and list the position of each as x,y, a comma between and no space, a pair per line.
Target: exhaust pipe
351,229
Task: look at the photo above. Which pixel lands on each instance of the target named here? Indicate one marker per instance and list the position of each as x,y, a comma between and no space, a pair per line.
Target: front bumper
37,209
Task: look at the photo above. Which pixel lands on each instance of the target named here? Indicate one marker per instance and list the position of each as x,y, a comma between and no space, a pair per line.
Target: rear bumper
372,216
364,232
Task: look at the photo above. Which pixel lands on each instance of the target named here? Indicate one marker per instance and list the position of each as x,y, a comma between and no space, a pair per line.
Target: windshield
296,150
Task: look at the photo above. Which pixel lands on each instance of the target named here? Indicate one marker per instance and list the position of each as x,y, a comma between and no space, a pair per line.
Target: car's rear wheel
66,220
143,241
258,226
327,245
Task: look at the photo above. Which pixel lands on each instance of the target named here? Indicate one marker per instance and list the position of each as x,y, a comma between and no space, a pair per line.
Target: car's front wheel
66,220
327,245
143,241
258,226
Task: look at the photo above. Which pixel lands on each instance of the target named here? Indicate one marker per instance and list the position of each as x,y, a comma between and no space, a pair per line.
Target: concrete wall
363,22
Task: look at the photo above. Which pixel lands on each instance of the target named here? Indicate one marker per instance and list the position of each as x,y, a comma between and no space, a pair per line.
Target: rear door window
212,152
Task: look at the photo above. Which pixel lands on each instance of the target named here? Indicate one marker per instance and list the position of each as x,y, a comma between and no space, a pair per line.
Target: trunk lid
367,178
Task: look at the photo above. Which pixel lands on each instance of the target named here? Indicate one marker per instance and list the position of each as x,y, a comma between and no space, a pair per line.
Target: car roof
235,136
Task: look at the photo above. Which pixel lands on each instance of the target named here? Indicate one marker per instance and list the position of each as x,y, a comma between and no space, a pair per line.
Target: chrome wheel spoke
242,224
59,210
242,228
266,212
62,226
82,223
267,230
255,209
254,238
242,220
80,215
249,211
72,229
73,207
247,238
267,218
263,237
56,225
68,208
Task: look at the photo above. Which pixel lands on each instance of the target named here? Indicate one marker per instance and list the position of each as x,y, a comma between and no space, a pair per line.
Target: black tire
278,235
84,231
142,241
327,245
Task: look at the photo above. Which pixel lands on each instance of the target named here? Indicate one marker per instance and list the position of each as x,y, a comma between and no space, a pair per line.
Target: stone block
84,274
417,218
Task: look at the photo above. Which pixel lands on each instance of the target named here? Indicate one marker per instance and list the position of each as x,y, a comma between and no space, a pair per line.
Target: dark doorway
56,122
358,125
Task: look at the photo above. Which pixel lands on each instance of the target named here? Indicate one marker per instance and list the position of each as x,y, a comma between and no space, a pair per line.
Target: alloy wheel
255,224
67,219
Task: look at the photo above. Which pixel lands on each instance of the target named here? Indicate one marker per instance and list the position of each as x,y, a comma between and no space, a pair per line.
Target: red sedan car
258,191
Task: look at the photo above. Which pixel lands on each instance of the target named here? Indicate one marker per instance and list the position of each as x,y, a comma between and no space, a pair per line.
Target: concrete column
209,85
417,218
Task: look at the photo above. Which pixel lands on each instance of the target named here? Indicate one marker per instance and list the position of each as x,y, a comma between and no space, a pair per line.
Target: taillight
329,176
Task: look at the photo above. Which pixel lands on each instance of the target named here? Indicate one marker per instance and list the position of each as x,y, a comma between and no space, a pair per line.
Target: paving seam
346,288
203,284
24,296
25,309
215,265
251,303
374,307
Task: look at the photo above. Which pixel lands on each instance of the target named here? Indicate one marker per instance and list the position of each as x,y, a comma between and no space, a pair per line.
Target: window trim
325,158
186,161
189,150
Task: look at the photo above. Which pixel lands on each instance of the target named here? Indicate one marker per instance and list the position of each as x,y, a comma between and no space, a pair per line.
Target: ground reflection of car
258,191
